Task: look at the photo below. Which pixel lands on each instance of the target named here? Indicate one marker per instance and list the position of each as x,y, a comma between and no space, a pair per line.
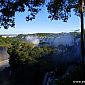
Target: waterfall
49,78
4,58
3,53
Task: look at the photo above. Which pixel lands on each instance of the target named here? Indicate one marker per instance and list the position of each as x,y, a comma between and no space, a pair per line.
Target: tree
29,64
58,9
82,33
8,8
61,9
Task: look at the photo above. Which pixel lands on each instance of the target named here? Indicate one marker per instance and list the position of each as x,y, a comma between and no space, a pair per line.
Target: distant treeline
5,41
8,41
21,37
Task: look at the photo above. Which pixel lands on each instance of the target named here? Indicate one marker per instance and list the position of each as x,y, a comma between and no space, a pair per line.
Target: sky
41,24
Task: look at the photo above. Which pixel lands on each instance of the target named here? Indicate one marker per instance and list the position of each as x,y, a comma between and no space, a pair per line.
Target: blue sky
42,24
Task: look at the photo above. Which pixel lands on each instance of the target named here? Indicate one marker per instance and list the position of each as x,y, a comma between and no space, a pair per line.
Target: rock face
3,54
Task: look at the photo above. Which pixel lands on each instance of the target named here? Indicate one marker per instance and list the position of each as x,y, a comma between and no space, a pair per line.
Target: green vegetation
8,41
57,9
45,34
28,63
5,41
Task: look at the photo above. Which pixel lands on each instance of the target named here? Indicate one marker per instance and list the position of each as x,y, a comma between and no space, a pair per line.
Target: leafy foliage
27,52
61,9
5,41
8,8
8,41
29,62
58,9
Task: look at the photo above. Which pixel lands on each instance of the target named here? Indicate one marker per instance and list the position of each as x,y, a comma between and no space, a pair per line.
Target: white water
49,78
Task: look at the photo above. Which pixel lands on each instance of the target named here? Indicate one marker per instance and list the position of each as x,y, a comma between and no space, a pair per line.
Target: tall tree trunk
82,34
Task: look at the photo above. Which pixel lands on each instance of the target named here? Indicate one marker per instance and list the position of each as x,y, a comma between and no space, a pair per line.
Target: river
3,53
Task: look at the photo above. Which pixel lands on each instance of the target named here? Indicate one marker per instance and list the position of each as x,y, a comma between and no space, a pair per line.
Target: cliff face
3,53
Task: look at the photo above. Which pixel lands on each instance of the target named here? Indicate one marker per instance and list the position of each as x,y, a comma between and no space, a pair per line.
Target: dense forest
21,37
30,63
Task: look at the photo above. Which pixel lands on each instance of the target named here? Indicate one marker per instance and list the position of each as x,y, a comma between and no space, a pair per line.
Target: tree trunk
82,34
